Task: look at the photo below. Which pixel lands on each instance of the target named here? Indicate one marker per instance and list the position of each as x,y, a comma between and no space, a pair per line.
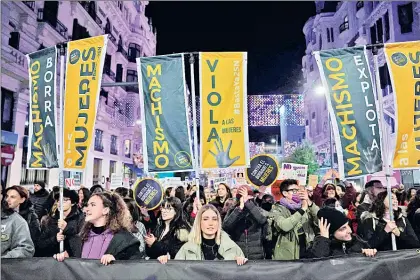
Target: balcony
85,5
109,72
121,50
44,16
111,36
30,5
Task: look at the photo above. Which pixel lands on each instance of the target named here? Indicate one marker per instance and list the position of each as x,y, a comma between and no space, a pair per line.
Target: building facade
345,24
28,26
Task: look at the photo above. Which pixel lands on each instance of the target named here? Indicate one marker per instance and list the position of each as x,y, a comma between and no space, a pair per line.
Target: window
373,34
107,63
7,108
320,41
127,148
307,122
134,51
380,30
14,39
119,75
132,77
332,34
108,27
114,145
98,140
112,167
313,116
386,20
328,35
313,38
345,25
405,17
120,5
311,68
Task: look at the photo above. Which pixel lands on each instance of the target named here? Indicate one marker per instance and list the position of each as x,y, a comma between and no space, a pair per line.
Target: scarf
291,205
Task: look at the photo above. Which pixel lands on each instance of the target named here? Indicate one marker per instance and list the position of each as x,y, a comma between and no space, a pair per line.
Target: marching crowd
237,224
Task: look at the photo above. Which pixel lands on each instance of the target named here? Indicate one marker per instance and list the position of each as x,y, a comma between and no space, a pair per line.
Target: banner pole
61,172
385,157
193,97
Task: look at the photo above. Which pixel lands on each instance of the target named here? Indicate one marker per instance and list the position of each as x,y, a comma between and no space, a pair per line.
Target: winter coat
42,202
414,219
32,219
48,244
227,249
283,226
346,200
123,246
170,243
325,247
246,228
372,230
16,239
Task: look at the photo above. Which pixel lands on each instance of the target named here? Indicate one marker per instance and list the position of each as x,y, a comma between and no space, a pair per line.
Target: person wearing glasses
292,222
55,230
171,231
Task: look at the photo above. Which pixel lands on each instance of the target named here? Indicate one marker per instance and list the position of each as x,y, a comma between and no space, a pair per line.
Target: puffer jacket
283,230
48,245
41,202
246,228
16,239
227,249
372,229
325,247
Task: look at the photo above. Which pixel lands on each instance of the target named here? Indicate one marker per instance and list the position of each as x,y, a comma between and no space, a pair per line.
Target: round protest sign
263,171
148,193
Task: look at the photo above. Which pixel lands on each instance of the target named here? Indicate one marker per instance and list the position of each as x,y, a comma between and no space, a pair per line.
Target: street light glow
320,90
138,122
273,140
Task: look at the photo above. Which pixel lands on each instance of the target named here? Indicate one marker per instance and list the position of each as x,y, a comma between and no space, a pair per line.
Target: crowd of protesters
238,224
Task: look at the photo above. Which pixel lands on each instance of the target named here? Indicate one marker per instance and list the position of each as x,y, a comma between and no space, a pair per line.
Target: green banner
352,105
42,138
166,137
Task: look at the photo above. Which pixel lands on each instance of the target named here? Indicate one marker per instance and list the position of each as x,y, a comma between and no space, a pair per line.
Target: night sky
271,33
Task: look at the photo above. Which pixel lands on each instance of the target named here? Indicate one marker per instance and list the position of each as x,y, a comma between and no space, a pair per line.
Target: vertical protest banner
42,138
165,124
352,106
223,115
85,59
403,61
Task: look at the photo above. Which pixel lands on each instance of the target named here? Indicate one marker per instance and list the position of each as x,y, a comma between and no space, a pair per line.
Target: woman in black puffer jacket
246,224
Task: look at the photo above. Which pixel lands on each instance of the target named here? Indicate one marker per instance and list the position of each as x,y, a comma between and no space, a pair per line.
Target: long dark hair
414,204
378,206
4,205
324,188
86,196
180,193
22,193
134,211
228,195
119,217
178,222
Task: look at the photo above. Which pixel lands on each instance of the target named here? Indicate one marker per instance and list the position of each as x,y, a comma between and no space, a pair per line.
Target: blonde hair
195,234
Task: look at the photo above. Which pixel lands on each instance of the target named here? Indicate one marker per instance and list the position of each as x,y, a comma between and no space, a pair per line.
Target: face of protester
81,197
376,189
209,224
394,202
37,188
95,209
66,204
13,199
339,191
221,191
343,233
207,193
413,193
331,193
168,212
292,189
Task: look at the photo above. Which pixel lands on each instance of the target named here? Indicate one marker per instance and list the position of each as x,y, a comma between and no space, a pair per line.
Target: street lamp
273,141
320,90
138,122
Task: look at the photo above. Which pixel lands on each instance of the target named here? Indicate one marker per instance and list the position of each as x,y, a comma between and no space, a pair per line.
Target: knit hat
41,184
335,218
74,197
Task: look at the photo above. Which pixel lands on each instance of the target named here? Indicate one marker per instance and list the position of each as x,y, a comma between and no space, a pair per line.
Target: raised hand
369,252
222,157
324,228
371,159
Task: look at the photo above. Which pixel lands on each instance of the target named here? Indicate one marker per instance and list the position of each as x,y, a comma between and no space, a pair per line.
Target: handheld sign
148,193
263,171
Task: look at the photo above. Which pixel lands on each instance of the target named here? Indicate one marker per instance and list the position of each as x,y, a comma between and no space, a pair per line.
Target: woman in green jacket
207,241
292,222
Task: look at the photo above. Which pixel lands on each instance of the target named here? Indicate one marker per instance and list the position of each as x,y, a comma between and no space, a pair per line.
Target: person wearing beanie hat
40,199
336,237
55,229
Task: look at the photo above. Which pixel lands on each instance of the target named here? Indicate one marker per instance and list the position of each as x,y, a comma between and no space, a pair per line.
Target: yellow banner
85,60
223,121
404,67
